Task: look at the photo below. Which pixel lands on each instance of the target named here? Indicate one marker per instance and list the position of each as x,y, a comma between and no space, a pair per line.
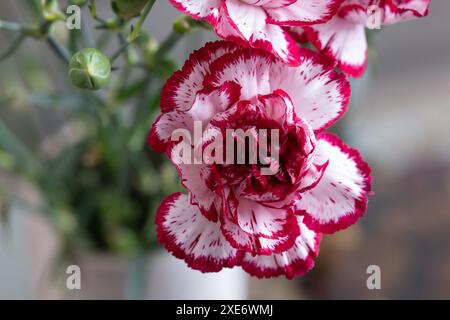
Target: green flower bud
51,11
184,24
89,69
128,8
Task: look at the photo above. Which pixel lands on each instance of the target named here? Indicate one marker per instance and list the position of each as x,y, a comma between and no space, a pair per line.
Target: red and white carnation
234,214
259,23
343,38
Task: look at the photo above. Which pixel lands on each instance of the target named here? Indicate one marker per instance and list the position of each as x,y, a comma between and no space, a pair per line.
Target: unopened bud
89,69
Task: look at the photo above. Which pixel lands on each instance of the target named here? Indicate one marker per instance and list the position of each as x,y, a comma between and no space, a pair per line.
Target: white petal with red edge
303,12
259,220
404,10
199,9
247,67
204,107
190,236
320,94
208,104
313,176
194,177
241,240
278,106
225,29
296,261
180,90
163,128
270,3
344,41
340,198
250,22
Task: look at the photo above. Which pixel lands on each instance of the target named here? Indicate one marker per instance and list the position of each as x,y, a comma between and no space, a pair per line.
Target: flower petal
198,9
343,40
247,67
403,10
296,261
181,89
259,220
163,128
303,12
190,236
250,21
195,178
206,104
320,94
340,198
255,245
298,34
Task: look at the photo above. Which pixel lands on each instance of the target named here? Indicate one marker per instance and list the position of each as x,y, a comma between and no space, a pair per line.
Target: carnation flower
343,38
259,23
266,216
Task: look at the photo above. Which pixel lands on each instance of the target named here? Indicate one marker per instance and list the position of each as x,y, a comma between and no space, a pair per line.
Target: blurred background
399,119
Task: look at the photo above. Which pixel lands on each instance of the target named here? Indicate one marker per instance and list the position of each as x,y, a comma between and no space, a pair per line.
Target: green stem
60,51
16,27
117,54
86,35
17,42
169,43
134,34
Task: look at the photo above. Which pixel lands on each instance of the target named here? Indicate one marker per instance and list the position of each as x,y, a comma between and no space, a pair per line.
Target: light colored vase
170,278
162,277
103,276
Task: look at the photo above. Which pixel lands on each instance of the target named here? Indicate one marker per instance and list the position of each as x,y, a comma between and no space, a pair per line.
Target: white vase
170,278
103,276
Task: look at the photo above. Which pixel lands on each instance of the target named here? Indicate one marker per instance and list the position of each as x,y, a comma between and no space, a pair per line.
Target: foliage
100,184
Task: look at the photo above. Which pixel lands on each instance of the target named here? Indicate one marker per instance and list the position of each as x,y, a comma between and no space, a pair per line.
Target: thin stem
60,51
86,34
169,43
134,34
17,42
117,54
17,27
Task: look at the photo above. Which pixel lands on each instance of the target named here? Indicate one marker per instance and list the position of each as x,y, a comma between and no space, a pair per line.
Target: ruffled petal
249,68
180,90
163,128
255,245
296,261
340,198
250,22
259,220
198,9
196,178
303,12
190,236
344,41
205,106
403,10
320,94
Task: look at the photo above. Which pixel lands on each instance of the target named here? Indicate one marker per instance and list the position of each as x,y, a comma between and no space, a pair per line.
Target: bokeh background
399,119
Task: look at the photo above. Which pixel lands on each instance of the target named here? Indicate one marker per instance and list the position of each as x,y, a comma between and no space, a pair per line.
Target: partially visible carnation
234,214
343,38
259,23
